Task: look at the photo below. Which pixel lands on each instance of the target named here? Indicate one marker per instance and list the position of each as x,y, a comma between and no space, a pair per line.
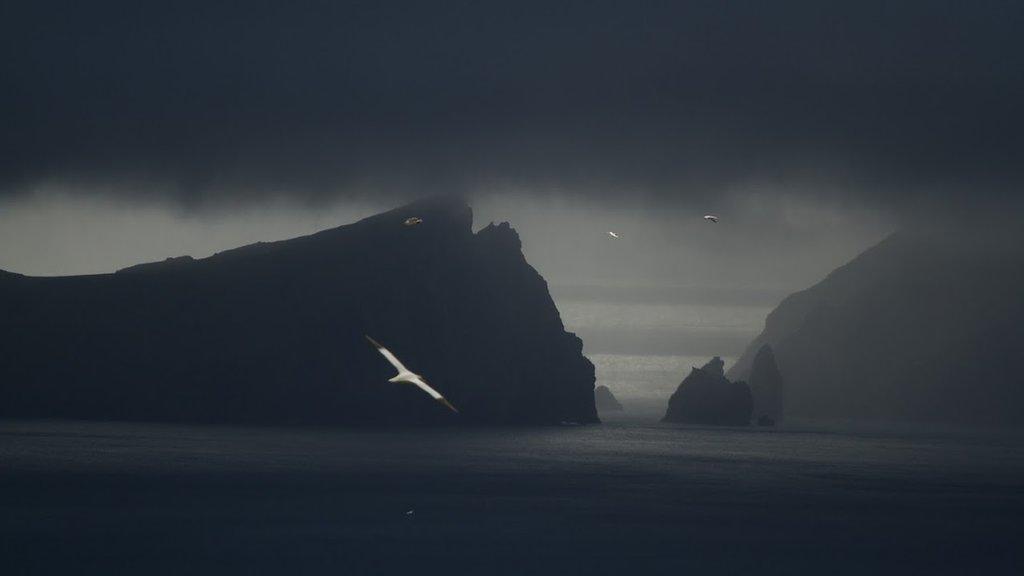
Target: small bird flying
407,376
711,218
613,234
412,221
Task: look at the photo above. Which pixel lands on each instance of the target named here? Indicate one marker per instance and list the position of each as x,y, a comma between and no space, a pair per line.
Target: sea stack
605,400
705,396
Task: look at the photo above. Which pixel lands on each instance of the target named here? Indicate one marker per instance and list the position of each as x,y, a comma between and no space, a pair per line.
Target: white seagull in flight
613,234
409,377
711,218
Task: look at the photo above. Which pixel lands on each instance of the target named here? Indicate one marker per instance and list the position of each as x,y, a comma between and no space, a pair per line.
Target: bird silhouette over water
407,376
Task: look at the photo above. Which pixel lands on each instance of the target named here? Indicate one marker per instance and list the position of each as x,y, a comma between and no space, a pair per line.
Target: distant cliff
605,400
705,396
921,327
766,385
273,332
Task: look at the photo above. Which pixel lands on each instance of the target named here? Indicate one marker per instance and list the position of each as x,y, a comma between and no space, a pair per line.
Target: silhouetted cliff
921,327
605,400
705,396
273,332
766,386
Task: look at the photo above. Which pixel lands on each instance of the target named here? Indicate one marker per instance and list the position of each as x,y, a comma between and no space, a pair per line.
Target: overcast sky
895,103
140,130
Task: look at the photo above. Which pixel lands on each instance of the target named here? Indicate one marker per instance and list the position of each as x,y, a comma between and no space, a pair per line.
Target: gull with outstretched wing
407,376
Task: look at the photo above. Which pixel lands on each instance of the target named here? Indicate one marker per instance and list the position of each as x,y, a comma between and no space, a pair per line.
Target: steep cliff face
273,332
918,328
705,396
766,385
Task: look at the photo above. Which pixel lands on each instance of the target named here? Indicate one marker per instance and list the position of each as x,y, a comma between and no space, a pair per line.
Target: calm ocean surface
628,496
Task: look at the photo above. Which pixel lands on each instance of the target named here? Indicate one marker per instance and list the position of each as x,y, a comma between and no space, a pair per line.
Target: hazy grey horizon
671,292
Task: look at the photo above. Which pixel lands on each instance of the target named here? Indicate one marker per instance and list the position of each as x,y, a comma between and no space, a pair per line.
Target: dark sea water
626,497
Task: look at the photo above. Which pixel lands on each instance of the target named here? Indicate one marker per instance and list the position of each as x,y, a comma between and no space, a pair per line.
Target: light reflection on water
880,450
642,380
642,350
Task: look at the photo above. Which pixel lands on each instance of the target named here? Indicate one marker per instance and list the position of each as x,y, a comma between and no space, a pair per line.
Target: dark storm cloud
905,103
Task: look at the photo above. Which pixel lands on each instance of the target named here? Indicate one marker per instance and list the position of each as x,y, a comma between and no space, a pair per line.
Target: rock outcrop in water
766,387
605,400
922,327
273,332
705,396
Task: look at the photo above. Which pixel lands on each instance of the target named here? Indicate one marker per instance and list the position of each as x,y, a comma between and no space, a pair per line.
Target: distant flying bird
410,512
613,234
409,377
711,218
413,221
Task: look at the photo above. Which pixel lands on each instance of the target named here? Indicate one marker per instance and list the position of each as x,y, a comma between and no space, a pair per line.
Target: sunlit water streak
643,350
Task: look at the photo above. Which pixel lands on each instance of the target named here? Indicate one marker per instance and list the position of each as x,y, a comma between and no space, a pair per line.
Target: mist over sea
629,496
642,348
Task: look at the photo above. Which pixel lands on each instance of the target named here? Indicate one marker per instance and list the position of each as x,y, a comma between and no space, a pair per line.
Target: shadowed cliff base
767,388
274,332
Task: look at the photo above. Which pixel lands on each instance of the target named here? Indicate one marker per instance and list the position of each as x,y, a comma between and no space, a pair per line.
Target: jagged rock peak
715,367
502,233
705,396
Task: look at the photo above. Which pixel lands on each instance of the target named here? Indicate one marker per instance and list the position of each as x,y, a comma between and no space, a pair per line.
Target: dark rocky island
273,332
605,400
922,327
706,396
